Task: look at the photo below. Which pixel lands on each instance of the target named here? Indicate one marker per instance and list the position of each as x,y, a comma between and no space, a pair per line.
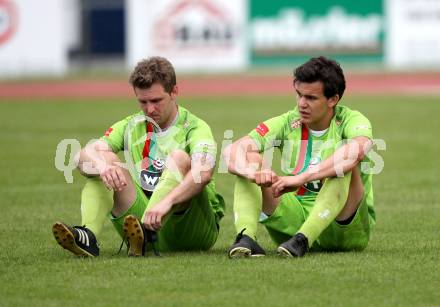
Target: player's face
315,109
156,103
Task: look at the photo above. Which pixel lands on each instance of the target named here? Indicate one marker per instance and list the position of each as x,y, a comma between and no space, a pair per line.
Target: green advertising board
283,31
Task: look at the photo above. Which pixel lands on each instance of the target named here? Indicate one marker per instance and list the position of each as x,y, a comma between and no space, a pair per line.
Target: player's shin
247,206
329,203
96,204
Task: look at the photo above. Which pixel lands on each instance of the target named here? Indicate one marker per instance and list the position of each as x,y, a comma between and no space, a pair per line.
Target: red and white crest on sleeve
296,124
262,129
109,130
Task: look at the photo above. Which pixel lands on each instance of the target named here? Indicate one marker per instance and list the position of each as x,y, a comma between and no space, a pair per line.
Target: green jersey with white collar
300,149
146,146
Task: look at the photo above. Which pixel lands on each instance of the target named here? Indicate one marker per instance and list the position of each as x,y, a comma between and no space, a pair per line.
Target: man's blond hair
153,70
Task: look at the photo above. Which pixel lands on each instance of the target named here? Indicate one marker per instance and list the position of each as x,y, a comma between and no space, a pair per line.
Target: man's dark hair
328,71
152,70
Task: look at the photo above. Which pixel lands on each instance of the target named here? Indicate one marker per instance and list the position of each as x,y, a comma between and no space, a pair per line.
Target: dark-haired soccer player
322,200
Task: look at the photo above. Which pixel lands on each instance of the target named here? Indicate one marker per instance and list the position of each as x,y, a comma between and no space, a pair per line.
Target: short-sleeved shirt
146,146
300,149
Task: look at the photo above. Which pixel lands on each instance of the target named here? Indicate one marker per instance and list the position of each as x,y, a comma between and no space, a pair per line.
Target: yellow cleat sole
134,235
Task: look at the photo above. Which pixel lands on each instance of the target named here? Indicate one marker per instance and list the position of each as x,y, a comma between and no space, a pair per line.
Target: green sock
328,204
96,204
168,181
247,206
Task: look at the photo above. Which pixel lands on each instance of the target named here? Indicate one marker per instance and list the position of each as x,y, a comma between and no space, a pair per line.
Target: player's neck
324,123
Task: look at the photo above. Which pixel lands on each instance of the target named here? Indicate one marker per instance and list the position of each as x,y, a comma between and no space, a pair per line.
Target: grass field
399,268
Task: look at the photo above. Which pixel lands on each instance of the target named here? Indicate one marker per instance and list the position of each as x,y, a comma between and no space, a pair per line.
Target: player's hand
265,178
113,178
286,184
153,217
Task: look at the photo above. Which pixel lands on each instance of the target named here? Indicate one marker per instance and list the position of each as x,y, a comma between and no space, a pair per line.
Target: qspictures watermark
66,155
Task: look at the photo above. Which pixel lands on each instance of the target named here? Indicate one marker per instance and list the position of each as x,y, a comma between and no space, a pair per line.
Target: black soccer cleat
296,246
137,237
79,240
245,246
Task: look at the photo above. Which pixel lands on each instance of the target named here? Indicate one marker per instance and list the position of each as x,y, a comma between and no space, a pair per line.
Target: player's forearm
341,162
233,163
189,187
92,161
243,158
244,164
328,169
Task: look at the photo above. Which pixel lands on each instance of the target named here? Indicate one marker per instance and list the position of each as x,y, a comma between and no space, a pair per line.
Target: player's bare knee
355,196
270,203
82,167
356,191
269,208
254,157
123,200
180,160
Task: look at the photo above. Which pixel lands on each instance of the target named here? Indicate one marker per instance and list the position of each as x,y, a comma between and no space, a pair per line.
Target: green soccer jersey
300,149
146,146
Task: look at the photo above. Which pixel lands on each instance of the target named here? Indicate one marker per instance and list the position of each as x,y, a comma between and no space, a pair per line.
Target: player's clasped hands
265,178
113,178
279,184
286,184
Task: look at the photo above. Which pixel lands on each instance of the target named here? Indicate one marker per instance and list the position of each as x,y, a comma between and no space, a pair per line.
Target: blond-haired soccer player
163,195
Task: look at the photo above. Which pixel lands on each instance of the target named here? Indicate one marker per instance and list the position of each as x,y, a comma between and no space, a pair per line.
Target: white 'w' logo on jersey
83,237
150,180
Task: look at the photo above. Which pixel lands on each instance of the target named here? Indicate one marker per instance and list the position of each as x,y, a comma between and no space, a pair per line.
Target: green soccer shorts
291,213
194,229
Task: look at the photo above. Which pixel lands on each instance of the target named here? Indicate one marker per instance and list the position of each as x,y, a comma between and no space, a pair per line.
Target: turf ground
399,268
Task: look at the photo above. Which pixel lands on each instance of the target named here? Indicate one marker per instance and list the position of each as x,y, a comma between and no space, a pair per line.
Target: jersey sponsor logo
315,161
313,186
262,129
205,147
108,131
296,124
149,180
158,164
204,158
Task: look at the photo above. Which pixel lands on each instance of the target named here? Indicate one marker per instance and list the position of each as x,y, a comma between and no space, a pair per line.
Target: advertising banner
32,40
283,31
413,36
196,35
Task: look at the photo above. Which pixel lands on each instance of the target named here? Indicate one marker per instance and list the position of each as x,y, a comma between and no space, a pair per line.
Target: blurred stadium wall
51,37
